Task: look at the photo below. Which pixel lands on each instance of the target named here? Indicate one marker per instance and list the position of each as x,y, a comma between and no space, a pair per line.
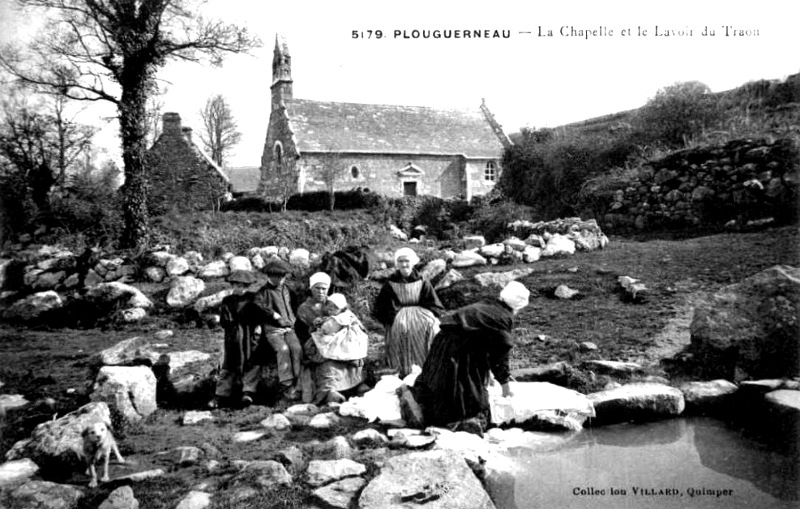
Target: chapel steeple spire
281,71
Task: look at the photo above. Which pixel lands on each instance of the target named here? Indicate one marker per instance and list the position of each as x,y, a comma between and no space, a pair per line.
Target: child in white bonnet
341,336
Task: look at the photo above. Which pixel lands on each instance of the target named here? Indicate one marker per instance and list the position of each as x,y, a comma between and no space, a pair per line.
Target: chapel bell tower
281,72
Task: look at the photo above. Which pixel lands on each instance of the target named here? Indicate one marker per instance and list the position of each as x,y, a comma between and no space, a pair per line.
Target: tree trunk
133,130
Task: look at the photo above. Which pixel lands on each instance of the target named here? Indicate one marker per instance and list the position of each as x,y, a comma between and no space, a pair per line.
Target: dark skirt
452,385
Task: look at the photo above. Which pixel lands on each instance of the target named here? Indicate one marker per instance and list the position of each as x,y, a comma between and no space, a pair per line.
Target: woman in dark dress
474,340
408,307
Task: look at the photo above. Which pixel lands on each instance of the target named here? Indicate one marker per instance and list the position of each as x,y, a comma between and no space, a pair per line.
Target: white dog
98,443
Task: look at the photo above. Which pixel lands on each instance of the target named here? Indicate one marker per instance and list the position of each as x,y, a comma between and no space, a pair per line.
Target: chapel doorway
409,188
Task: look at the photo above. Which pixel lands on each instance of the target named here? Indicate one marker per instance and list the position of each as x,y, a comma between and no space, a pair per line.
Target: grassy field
54,363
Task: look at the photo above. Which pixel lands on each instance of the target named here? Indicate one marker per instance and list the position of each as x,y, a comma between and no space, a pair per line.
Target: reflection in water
677,463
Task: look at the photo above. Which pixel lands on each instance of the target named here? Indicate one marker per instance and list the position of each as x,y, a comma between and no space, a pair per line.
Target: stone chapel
390,150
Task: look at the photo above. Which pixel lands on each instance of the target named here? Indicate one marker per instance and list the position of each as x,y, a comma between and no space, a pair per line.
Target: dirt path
675,336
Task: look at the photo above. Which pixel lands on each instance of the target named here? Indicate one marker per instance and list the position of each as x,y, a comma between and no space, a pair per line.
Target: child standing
277,305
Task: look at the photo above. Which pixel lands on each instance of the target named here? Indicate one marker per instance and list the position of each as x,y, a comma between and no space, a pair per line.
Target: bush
86,213
310,202
548,172
676,114
439,216
492,221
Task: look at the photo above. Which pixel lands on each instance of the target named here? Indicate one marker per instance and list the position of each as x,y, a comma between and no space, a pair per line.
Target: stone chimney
171,123
187,132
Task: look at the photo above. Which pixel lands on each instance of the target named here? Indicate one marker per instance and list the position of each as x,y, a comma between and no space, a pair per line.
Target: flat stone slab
249,436
193,417
431,479
12,401
705,394
784,400
613,366
637,401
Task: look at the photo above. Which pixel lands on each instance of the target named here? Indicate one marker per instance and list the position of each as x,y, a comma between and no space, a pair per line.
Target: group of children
262,328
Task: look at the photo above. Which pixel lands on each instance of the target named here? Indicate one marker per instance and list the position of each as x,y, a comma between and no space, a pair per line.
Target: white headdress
319,277
338,300
406,252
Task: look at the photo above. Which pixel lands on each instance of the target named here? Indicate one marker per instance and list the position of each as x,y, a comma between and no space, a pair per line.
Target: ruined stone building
391,150
182,176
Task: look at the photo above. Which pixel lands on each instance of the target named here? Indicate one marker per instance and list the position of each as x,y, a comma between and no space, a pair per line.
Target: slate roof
244,179
386,129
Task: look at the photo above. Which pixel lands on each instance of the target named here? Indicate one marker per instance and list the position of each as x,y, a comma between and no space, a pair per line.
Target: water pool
679,463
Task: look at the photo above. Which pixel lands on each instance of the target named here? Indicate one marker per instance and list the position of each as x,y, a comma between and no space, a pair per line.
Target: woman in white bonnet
408,308
325,379
474,340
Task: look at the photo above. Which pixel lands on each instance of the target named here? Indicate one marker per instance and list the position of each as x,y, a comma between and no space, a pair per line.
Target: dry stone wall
713,185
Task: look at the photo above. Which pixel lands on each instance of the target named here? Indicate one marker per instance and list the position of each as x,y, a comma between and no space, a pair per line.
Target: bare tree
220,133
40,142
155,105
110,50
332,167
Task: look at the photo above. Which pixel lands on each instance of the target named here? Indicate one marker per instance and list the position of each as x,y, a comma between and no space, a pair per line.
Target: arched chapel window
278,155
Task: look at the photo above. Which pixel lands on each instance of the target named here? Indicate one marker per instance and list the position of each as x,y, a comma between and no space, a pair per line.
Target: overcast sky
526,79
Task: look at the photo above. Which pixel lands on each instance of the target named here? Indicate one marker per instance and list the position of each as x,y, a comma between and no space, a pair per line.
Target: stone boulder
216,268
397,233
184,291
437,478
751,329
449,279
468,259
500,279
135,351
300,258
558,245
177,266
433,268
195,499
17,472
706,397
160,258
637,401
783,407
531,254
131,315
155,274
44,495
322,472
129,392
240,263
565,292
267,473
369,437
130,296
474,241
340,494
121,498
33,306
492,250
58,443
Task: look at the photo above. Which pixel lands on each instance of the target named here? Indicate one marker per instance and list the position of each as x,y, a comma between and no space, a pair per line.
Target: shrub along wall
709,186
